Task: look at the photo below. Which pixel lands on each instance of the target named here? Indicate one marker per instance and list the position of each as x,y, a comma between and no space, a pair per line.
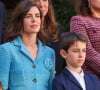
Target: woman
88,23
25,62
52,29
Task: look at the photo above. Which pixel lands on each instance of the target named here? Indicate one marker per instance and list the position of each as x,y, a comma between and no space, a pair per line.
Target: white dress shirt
79,77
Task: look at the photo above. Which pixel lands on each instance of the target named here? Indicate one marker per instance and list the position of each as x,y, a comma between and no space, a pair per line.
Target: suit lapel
72,78
41,51
19,43
25,51
88,82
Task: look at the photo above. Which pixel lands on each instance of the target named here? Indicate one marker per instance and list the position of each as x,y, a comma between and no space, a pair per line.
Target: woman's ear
63,53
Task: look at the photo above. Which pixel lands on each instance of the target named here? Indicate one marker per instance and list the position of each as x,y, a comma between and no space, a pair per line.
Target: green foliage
63,12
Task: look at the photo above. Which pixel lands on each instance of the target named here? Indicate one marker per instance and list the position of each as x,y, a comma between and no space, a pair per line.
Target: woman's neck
95,13
42,22
29,41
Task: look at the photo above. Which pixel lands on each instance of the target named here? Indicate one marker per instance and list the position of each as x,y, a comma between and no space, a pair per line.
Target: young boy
73,50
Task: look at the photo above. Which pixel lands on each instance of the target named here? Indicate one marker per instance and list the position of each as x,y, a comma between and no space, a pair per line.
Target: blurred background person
3,22
88,23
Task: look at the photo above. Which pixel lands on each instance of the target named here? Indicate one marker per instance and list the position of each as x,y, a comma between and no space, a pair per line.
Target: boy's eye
84,50
75,51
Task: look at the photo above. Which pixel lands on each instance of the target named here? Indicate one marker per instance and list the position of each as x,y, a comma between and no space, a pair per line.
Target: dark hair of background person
50,24
16,26
69,38
85,8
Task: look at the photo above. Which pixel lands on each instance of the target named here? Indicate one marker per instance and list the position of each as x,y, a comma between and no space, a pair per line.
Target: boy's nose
80,54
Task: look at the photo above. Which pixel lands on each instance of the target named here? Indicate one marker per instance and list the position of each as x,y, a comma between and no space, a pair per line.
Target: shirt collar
74,73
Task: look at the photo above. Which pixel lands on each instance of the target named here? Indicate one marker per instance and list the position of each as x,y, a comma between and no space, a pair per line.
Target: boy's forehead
78,43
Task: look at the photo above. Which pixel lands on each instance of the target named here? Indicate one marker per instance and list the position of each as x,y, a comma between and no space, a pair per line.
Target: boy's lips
80,60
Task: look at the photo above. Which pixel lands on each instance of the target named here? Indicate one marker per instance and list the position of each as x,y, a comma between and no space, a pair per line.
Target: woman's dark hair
50,25
85,8
16,27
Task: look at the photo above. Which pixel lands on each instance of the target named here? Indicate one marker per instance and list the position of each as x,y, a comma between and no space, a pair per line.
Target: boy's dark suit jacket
66,81
3,21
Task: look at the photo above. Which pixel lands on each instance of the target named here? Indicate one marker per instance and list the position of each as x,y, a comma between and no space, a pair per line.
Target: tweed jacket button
35,80
34,66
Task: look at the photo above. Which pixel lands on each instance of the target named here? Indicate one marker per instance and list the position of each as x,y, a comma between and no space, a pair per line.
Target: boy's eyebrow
77,48
74,48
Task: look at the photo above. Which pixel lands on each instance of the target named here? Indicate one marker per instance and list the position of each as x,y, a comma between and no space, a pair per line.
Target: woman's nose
40,3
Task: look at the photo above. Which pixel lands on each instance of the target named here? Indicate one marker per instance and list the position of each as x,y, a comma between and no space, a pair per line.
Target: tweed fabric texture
19,71
90,27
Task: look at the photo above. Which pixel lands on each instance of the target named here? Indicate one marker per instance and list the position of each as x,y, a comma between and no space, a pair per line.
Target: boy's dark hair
69,38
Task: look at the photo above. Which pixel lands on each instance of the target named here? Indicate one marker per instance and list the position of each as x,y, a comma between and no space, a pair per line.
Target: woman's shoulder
49,49
5,45
5,50
45,47
83,18
80,17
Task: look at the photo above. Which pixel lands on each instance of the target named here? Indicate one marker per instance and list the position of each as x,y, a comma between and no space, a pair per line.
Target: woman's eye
34,0
38,16
28,17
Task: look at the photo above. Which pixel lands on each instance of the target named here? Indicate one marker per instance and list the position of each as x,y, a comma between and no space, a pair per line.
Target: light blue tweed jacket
19,71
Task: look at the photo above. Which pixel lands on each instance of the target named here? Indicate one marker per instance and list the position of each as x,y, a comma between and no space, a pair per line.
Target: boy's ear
63,53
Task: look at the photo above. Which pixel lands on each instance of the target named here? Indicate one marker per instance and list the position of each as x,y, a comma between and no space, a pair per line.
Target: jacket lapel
88,82
19,43
41,51
71,77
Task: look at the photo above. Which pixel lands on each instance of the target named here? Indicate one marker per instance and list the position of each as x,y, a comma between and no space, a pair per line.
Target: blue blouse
19,71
